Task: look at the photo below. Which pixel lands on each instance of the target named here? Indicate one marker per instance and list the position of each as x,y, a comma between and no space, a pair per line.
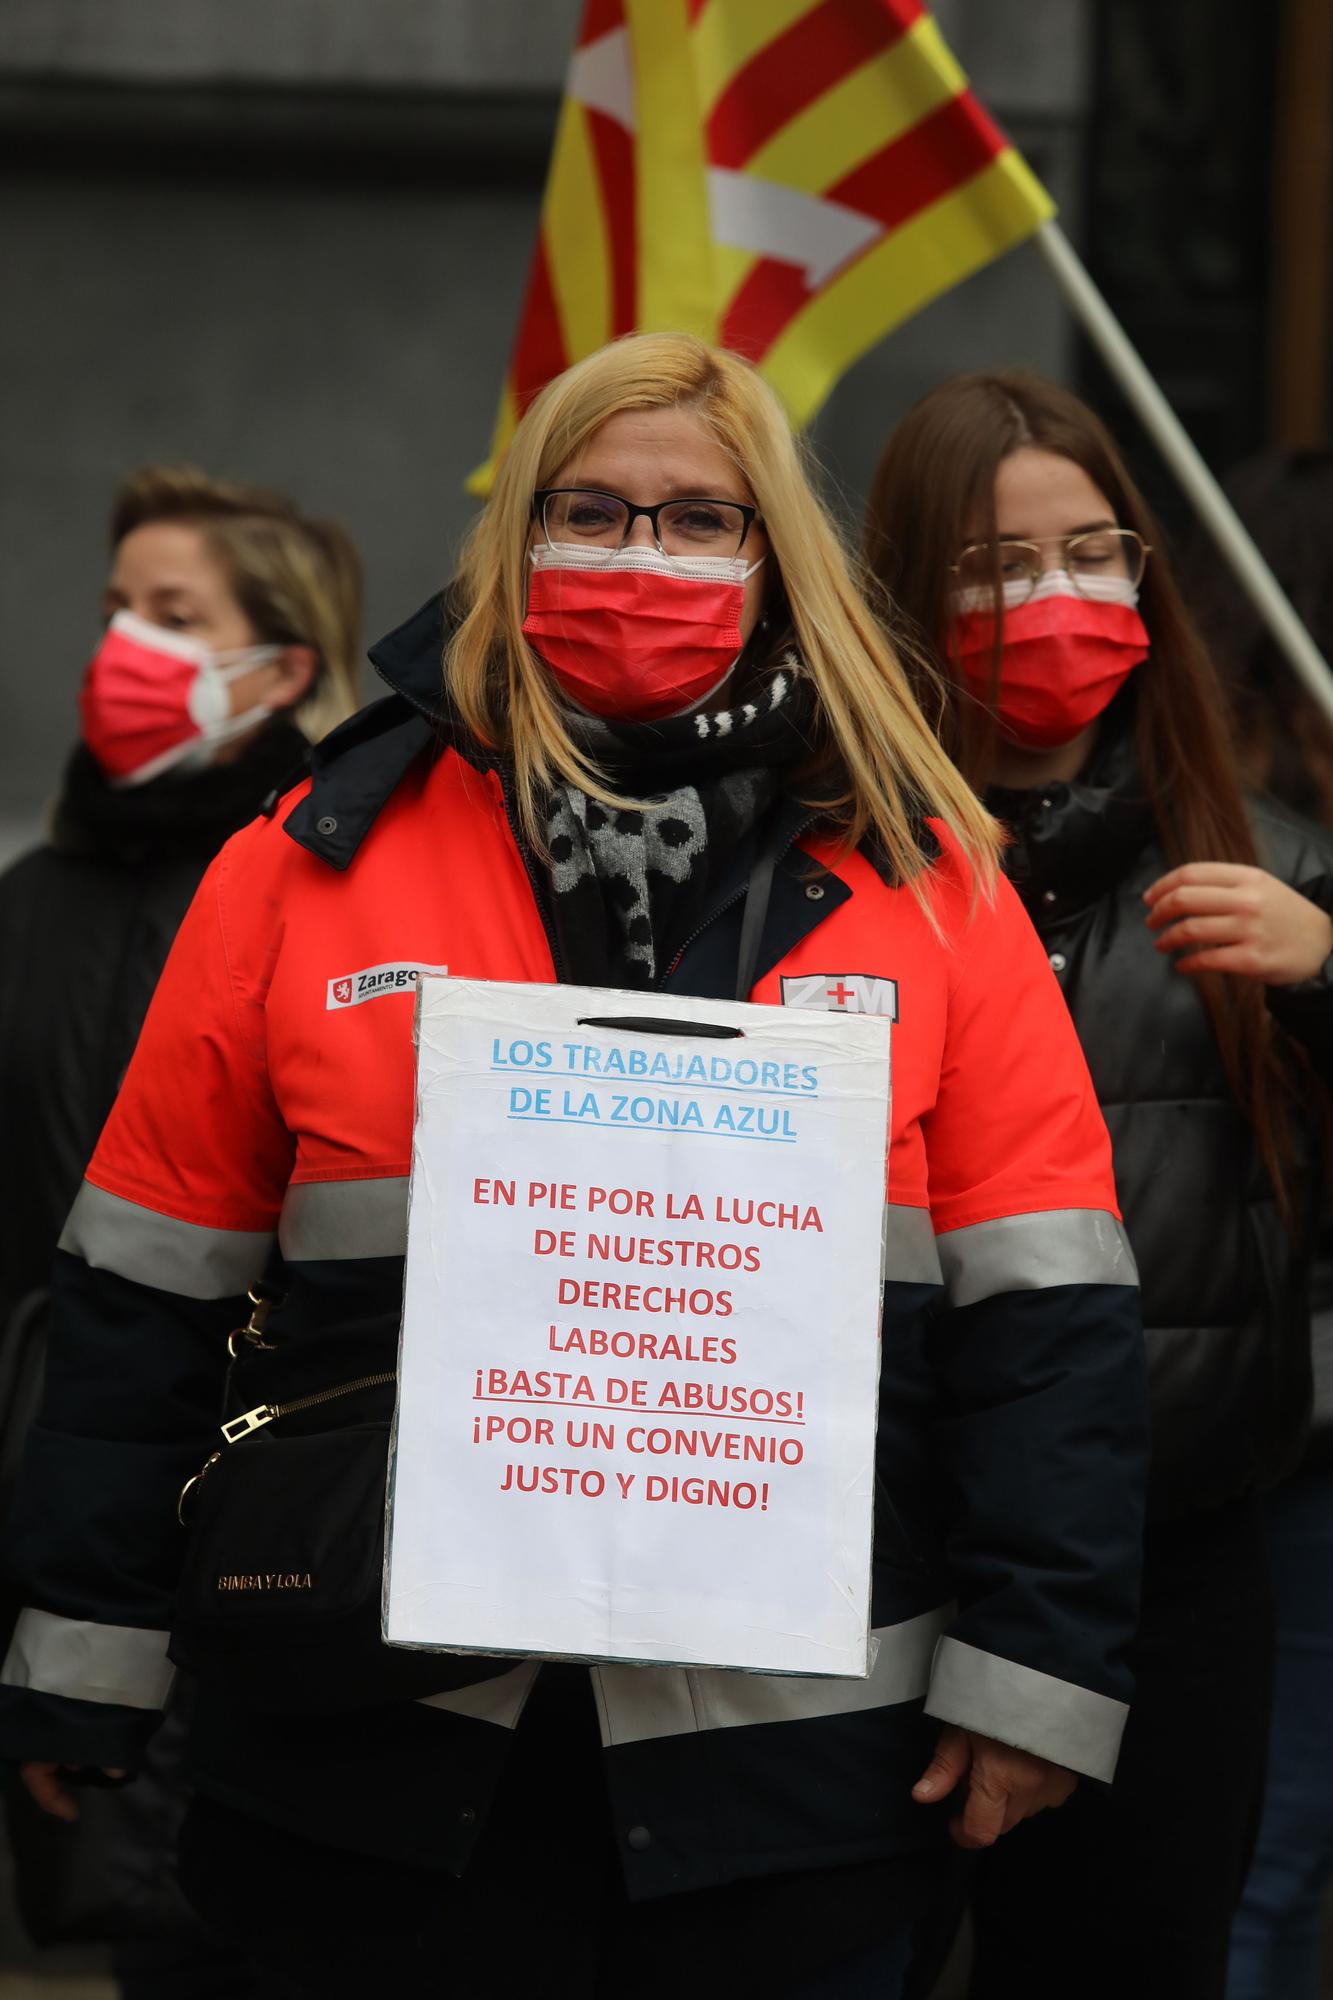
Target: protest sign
640,1349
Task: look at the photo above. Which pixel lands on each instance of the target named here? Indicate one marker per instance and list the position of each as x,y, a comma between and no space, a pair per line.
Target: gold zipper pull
253,1420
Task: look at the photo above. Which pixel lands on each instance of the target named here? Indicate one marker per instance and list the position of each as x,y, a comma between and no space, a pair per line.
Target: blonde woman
231,631
668,747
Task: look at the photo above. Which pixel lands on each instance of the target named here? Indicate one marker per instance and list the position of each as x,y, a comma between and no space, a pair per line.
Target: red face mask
152,699
637,635
1065,656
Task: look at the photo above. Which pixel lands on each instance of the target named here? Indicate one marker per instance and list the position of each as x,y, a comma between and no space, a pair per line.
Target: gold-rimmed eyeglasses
1090,560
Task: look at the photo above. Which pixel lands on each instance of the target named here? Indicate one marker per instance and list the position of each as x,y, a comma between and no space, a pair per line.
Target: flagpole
1169,434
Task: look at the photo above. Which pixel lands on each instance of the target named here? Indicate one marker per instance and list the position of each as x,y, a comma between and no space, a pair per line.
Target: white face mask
210,708
643,562
1051,583
155,700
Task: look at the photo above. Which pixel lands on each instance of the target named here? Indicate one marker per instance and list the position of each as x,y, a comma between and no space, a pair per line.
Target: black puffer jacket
1224,1283
86,923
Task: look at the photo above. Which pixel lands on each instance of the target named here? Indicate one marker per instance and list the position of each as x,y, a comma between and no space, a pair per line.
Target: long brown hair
935,487
1285,741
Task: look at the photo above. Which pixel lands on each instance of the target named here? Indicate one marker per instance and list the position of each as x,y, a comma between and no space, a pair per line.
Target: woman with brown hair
1190,935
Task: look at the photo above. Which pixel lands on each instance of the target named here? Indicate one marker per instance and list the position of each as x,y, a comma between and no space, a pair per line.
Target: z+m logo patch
354,987
842,993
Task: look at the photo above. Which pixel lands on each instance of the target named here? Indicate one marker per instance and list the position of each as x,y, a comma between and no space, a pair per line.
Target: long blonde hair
871,737
297,580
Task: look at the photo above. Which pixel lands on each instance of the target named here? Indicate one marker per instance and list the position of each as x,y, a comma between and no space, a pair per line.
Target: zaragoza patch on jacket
351,988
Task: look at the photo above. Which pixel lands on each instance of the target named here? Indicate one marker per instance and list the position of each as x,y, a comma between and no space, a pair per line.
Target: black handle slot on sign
646,1024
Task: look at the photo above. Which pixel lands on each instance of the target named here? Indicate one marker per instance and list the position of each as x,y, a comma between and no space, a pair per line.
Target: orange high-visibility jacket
270,1097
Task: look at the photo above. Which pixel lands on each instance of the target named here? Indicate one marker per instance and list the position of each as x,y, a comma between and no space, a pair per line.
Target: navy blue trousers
542,1907
1275,1942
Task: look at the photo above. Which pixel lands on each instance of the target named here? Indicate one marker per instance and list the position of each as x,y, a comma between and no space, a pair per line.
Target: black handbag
278,1598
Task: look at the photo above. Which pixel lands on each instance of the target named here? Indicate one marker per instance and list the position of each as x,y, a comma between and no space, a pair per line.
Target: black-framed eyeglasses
1098,553
586,517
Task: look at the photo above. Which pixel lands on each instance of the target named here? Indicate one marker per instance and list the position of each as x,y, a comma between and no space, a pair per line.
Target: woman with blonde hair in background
1190,931
651,738
231,639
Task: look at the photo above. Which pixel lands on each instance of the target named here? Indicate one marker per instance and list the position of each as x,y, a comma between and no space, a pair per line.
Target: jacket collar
175,815
358,765
1073,842
409,659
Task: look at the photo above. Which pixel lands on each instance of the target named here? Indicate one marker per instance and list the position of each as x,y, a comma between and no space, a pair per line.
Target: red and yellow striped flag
790,178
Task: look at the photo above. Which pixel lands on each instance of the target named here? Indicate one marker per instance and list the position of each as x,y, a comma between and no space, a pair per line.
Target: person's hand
45,1783
1227,918
1004,1785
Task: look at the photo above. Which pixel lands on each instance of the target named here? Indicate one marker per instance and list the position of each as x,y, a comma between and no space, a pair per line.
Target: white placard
640,1350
